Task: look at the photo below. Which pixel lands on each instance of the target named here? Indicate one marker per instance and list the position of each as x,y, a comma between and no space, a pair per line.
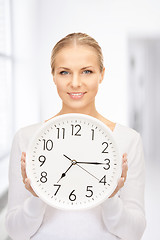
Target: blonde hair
79,39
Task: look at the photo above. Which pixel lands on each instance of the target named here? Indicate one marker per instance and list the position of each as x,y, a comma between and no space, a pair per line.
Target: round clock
73,162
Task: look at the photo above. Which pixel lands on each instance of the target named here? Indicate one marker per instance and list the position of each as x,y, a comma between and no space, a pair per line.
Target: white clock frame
48,185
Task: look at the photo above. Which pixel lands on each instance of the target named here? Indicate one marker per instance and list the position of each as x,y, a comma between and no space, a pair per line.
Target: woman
77,69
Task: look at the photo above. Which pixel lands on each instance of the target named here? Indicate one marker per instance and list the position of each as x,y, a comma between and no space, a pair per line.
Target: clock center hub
74,161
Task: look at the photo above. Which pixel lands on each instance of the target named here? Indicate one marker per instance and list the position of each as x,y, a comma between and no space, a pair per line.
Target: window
6,81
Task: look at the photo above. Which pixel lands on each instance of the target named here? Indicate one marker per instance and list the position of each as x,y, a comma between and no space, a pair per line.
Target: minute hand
96,163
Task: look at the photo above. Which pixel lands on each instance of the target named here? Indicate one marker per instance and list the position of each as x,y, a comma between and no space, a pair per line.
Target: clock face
73,162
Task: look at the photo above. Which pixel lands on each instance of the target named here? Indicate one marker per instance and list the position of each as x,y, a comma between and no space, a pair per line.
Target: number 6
72,196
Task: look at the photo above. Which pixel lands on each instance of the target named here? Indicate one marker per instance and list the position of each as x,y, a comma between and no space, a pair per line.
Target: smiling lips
76,95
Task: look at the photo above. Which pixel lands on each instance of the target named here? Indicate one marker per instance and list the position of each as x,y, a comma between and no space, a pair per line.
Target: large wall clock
73,162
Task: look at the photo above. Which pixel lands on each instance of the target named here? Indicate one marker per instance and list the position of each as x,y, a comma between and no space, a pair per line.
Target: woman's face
77,76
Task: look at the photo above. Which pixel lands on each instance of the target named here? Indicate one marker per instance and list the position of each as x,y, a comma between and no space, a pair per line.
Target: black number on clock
92,134
79,128
89,191
106,146
103,180
107,163
43,178
63,133
48,144
42,159
57,185
72,196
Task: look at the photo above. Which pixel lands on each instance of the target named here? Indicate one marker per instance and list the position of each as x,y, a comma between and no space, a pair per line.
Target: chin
78,106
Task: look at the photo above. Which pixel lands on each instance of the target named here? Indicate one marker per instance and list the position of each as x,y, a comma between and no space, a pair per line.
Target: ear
102,75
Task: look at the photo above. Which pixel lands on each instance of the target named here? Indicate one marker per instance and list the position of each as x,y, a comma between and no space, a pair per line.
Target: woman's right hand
26,181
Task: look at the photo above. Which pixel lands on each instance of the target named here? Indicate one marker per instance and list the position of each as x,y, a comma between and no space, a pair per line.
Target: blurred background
128,32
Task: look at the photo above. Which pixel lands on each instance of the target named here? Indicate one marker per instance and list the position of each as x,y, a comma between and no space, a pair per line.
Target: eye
87,72
64,72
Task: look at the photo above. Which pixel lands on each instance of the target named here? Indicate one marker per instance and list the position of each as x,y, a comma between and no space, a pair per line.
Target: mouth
76,95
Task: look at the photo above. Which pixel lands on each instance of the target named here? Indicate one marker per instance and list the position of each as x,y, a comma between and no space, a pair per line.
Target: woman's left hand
123,176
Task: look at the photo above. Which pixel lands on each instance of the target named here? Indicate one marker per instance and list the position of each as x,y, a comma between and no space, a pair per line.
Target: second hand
87,172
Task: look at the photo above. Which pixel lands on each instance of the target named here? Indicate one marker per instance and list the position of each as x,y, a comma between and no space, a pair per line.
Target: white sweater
120,217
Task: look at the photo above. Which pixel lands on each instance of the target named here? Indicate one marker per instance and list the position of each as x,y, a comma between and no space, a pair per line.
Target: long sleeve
120,217
123,214
25,212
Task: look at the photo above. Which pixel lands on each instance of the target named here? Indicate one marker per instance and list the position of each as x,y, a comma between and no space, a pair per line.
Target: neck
88,110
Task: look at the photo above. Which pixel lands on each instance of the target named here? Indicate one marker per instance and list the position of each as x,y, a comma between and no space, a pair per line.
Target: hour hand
64,174
67,157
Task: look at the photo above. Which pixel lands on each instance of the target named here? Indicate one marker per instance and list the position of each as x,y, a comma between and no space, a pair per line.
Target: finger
119,186
27,184
23,171
28,187
23,157
120,183
124,157
124,170
23,167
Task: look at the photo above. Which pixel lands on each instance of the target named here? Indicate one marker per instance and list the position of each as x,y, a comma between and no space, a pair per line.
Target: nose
76,81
